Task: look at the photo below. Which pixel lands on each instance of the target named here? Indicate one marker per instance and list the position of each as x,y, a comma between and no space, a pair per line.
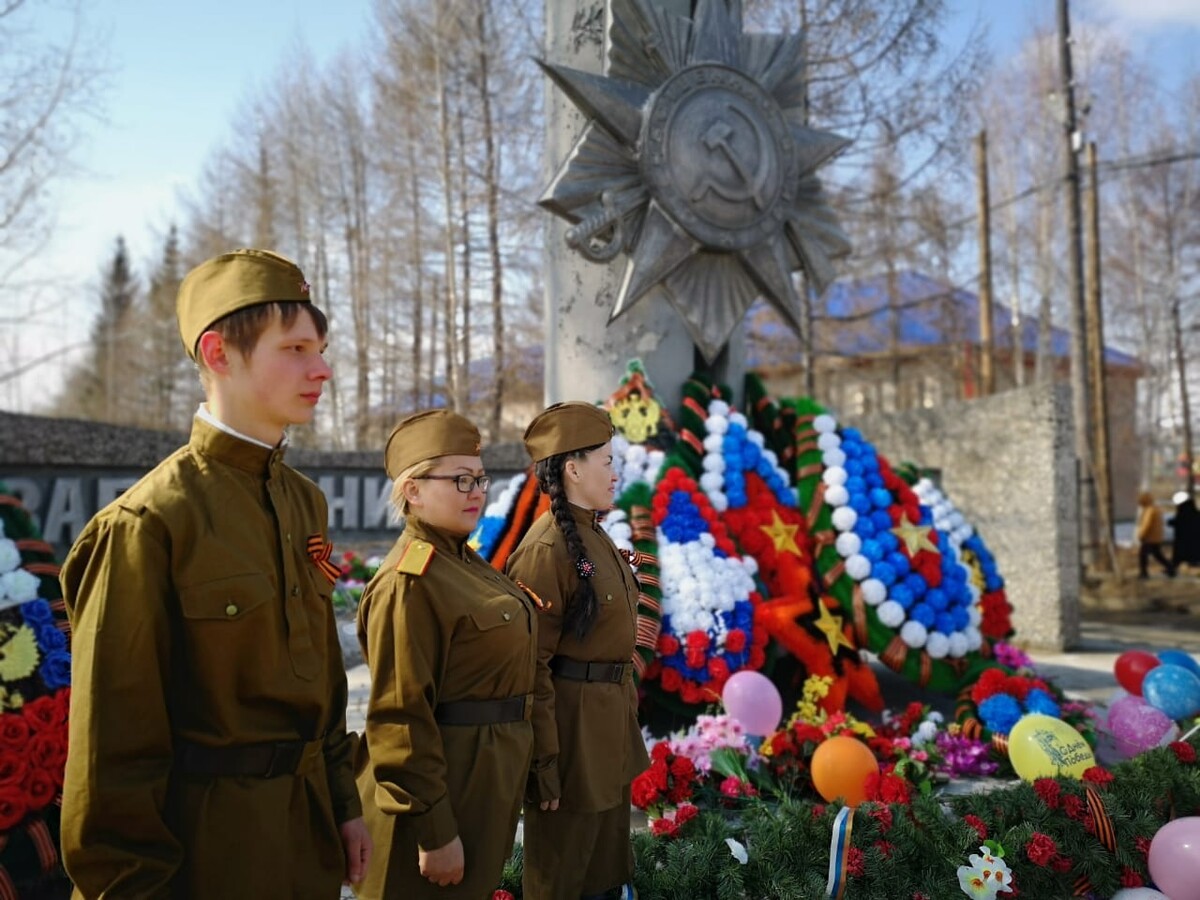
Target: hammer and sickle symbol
717,139
586,235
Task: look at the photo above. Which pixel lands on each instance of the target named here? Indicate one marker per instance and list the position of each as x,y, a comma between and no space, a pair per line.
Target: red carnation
1098,775
991,682
1130,878
644,792
1142,845
1041,849
1184,752
12,806
682,767
63,699
14,732
855,862
502,895
685,814
885,849
659,774
663,828
882,815
1048,791
735,641
697,640
661,751
978,824
757,657
818,810
1060,864
668,645
1074,807
695,657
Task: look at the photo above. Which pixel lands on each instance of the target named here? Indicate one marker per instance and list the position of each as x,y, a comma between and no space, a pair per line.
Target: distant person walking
1150,536
1185,547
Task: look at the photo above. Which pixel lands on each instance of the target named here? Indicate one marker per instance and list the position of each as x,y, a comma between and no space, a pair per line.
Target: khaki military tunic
458,631
587,743
199,616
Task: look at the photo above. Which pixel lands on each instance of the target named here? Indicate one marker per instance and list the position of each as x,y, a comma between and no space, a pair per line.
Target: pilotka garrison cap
233,281
428,435
564,427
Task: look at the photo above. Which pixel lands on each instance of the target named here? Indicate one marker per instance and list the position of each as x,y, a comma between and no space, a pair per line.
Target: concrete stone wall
1007,462
65,470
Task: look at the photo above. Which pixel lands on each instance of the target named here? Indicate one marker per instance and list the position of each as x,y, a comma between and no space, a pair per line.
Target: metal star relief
696,162
781,534
831,626
914,537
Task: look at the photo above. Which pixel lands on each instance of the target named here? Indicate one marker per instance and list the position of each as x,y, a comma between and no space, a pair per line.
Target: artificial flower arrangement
35,691
905,582
747,823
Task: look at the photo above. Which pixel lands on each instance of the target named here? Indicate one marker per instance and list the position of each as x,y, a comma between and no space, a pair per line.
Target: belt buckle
616,672
285,756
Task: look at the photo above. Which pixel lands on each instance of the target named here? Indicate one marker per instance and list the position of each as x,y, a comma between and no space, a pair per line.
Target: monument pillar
585,355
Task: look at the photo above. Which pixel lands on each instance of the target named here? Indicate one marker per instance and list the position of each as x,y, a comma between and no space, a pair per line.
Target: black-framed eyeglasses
464,483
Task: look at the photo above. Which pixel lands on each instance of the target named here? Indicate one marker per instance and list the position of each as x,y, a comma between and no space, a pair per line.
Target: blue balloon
1172,689
1179,658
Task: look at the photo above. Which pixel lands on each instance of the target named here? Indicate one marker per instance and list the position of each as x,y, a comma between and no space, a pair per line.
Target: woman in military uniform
587,743
451,645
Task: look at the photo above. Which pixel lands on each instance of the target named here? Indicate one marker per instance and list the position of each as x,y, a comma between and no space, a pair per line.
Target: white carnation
891,614
914,634
874,591
848,543
845,518
938,645
837,495
858,567
824,423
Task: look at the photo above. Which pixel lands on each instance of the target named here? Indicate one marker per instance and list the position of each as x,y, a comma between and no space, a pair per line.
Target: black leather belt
265,760
484,712
590,671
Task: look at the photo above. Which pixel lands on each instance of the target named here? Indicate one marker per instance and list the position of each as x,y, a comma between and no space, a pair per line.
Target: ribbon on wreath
839,849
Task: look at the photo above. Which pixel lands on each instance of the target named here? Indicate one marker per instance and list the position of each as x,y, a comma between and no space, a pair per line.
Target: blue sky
180,72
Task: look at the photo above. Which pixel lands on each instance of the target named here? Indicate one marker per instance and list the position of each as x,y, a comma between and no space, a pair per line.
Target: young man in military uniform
208,753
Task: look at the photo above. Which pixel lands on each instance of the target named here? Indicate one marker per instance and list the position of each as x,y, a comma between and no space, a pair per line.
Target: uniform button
610,596
289,537
231,609
295,591
507,616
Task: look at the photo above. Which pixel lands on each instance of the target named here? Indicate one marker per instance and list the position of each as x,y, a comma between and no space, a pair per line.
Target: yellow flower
19,655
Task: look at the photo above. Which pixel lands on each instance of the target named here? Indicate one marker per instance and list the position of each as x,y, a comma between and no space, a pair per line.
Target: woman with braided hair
587,746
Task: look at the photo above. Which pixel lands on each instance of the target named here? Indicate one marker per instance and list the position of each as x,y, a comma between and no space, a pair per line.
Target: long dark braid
581,612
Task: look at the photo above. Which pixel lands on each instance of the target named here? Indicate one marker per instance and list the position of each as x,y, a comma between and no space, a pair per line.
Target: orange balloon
840,767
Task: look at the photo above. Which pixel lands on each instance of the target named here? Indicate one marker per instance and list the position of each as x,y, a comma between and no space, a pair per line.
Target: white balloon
914,634
891,614
938,645
717,424
828,441
824,423
858,566
1139,893
718,408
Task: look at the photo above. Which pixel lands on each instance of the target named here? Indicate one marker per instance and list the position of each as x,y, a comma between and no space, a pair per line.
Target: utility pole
1081,406
987,372
1106,560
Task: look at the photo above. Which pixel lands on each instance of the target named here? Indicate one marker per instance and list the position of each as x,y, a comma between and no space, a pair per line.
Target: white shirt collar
204,415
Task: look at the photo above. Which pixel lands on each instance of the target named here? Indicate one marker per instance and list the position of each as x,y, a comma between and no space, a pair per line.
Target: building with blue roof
922,349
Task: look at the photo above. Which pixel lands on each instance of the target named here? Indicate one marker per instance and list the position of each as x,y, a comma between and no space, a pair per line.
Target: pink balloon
1175,858
753,700
1136,726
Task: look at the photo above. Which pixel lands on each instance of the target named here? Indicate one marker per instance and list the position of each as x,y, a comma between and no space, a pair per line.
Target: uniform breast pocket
228,599
495,616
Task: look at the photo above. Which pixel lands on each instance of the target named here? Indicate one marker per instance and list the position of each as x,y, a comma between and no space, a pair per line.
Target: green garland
898,852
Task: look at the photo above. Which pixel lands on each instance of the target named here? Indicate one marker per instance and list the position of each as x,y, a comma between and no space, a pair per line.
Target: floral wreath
35,679
893,572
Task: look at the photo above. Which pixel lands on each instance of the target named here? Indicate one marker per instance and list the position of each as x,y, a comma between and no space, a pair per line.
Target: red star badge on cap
304,288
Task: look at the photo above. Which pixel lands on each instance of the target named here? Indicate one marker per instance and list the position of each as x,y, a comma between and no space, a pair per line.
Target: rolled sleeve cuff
437,827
